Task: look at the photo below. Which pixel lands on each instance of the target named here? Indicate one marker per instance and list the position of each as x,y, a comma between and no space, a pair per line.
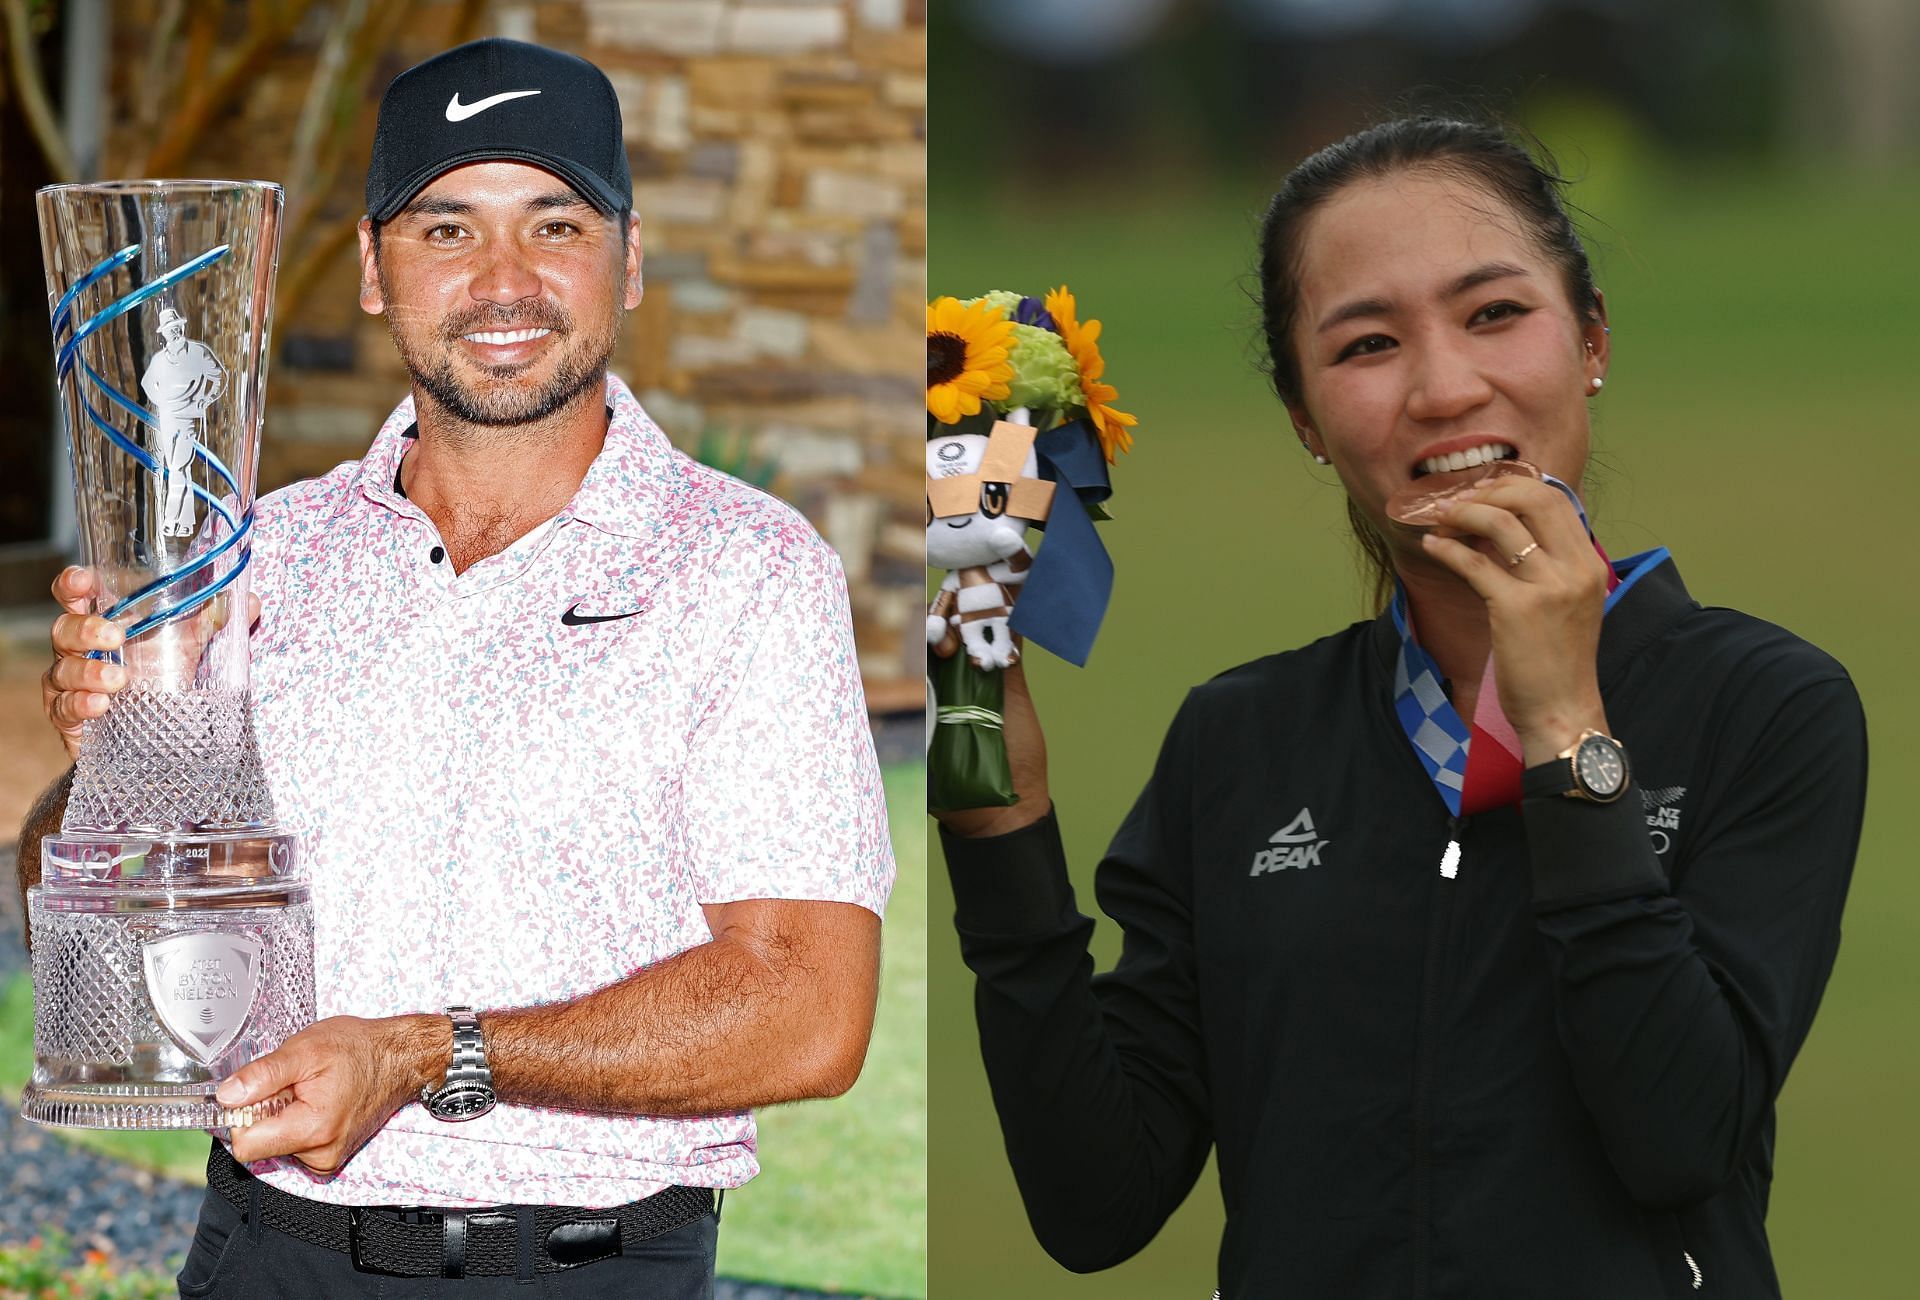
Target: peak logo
1297,845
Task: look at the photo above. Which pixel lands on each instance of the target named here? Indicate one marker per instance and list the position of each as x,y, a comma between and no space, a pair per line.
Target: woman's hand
1544,609
1027,758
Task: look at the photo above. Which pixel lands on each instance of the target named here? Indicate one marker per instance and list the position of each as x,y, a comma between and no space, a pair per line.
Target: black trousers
231,1259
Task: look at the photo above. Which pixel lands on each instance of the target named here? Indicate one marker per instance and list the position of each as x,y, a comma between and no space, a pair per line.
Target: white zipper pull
1450,860
1697,1277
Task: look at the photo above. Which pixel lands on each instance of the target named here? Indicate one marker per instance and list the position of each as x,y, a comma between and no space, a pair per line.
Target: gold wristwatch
1595,769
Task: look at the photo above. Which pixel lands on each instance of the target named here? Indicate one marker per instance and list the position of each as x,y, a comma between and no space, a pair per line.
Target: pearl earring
1318,459
1598,383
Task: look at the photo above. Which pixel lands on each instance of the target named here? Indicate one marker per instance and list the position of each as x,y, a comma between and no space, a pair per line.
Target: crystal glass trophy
172,935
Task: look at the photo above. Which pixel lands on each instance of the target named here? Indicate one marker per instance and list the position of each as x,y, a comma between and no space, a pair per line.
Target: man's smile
506,336
505,347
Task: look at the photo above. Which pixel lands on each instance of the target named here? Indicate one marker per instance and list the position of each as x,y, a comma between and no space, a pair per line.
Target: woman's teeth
506,336
1485,454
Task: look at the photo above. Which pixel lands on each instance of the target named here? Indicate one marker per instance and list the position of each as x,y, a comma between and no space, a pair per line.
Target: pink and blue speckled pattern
504,810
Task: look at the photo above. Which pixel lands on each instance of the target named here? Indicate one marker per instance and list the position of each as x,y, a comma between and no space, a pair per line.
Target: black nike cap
499,99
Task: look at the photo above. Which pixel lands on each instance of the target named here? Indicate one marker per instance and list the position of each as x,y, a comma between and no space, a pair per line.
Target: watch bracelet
469,1048
468,1059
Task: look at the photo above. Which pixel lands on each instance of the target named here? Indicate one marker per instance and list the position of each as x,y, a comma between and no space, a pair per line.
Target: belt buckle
453,1225
355,1213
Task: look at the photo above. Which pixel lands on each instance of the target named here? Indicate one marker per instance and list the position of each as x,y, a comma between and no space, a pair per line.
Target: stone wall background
778,150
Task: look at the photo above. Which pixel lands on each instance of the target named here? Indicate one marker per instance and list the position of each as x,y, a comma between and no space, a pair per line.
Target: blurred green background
1757,420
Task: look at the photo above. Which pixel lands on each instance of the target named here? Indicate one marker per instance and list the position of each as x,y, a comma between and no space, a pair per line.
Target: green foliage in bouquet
1045,375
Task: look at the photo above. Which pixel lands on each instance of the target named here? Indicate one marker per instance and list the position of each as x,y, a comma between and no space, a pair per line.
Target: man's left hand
343,1077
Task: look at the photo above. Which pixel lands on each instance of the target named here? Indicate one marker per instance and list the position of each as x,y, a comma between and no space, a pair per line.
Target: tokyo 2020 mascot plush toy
1020,434
990,493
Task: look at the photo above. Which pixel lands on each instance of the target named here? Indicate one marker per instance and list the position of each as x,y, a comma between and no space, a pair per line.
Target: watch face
1602,768
462,1101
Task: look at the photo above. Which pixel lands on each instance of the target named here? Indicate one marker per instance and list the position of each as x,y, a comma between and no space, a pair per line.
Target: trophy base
140,1106
161,965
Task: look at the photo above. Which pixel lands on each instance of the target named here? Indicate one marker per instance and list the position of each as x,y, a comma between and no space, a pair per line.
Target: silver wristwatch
467,1091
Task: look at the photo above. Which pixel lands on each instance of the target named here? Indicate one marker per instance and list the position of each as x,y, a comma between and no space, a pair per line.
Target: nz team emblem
1663,815
202,986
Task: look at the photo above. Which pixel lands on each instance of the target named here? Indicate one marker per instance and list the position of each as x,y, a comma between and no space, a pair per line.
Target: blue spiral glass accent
181,574
108,267
122,305
67,339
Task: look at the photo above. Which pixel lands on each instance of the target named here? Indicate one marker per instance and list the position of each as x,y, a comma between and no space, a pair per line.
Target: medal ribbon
1475,767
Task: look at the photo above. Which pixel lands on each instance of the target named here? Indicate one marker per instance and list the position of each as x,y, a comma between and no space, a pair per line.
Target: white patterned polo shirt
506,807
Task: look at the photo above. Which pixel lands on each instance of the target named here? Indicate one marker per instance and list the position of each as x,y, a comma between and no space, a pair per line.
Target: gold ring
1514,562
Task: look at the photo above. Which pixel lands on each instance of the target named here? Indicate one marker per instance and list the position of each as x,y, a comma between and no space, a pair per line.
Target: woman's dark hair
1526,180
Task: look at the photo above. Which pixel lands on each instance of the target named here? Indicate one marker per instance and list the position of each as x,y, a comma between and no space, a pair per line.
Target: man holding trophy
573,729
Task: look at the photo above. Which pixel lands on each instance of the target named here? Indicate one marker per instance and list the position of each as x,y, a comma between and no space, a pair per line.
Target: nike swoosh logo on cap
459,112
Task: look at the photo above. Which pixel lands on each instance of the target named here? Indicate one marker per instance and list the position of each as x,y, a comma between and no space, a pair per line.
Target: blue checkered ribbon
1439,736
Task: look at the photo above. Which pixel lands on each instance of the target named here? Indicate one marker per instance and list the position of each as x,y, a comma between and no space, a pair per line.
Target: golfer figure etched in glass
172,936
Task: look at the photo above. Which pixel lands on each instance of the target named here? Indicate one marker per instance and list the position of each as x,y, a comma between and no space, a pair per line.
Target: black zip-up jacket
1551,1075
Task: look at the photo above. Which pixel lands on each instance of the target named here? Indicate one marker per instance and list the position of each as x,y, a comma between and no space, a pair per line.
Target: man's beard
504,405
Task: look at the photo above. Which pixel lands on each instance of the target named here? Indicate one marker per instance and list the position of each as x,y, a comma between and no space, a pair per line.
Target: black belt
485,1241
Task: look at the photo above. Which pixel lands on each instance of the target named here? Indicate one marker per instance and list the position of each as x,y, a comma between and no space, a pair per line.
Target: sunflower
966,357
1083,341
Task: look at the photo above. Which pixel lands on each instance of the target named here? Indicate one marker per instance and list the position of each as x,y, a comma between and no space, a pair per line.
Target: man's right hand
76,688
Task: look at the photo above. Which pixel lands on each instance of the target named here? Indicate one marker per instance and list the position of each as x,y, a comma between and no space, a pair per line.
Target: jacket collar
1651,598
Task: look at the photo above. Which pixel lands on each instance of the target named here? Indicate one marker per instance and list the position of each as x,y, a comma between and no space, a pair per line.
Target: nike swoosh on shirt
573,618
459,112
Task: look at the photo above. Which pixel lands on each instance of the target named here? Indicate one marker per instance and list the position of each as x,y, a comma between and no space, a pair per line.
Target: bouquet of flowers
1020,432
